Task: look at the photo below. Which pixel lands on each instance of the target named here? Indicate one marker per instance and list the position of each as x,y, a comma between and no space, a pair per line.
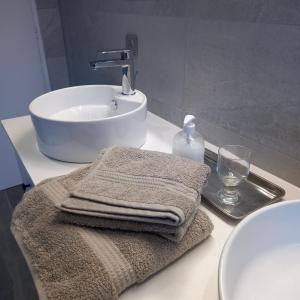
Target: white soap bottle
189,143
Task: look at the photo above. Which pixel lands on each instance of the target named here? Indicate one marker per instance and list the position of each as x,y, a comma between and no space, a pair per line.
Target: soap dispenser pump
188,143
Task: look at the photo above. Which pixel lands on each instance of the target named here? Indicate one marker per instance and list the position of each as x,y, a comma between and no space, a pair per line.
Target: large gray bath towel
73,262
138,190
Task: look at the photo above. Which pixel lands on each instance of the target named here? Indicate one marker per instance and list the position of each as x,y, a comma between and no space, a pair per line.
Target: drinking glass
232,167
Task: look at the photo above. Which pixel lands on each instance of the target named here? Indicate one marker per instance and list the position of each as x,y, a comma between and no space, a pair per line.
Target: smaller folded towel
138,190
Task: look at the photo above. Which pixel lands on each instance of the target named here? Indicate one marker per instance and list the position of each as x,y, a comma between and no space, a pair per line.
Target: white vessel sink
74,124
261,259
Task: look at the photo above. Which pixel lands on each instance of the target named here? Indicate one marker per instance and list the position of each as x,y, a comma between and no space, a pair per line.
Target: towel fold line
112,206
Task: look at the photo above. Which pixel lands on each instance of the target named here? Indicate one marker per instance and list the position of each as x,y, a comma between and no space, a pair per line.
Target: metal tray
255,192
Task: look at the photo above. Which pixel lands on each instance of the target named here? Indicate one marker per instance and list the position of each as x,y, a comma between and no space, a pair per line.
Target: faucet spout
125,62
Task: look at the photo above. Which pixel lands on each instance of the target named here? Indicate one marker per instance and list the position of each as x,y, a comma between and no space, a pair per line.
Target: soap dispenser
189,143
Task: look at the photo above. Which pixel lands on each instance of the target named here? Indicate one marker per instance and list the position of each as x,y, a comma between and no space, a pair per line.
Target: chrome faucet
125,61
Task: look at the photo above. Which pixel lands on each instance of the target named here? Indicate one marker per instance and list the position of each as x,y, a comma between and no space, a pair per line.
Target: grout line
186,42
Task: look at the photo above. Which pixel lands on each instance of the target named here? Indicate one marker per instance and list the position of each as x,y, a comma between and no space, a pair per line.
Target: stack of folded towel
131,189
144,210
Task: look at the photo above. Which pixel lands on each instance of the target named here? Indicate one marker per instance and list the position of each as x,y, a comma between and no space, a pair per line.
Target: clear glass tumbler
232,167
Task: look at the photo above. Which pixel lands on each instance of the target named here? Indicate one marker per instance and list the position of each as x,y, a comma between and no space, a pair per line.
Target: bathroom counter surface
194,276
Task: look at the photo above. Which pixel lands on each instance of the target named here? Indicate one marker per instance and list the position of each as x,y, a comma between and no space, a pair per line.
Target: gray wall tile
276,162
245,80
280,12
53,41
144,7
42,4
50,26
164,110
58,72
233,10
234,64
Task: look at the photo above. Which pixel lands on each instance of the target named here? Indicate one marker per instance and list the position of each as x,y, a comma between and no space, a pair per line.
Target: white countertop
192,277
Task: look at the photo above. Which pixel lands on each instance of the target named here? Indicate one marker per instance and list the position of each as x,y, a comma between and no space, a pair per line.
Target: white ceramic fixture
261,259
74,123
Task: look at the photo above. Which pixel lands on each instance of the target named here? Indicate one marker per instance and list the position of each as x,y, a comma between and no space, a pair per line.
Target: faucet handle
125,53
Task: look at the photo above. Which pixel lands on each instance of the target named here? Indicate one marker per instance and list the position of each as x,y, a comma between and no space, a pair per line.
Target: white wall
22,74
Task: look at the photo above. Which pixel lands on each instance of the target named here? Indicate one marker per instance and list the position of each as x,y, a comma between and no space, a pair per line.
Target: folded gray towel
173,233
73,262
133,189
